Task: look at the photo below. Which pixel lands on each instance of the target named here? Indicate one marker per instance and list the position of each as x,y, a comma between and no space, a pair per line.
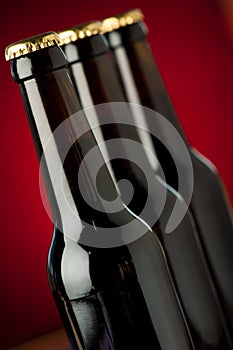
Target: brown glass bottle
110,295
96,83
143,84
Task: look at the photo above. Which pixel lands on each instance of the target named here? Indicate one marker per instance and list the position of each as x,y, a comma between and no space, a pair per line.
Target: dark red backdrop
195,56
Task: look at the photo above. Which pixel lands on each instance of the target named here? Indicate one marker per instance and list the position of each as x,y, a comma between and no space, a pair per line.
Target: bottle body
110,312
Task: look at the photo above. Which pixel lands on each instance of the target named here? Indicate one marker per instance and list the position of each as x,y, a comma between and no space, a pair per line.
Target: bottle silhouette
113,291
96,83
141,81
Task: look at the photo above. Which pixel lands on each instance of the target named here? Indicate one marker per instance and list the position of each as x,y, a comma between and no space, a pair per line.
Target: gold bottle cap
32,44
80,32
124,19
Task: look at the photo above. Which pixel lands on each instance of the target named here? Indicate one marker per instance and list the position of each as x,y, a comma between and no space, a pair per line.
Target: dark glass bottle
142,83
96,83
111,294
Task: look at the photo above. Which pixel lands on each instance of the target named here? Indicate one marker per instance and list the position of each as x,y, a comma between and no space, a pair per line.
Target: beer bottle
97,84
107,270
142,83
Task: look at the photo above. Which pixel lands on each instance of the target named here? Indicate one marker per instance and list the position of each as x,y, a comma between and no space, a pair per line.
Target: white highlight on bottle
133,97
92,117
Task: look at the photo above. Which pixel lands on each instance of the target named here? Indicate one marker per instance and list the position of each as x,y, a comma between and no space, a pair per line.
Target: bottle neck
130,47
97,83
55,118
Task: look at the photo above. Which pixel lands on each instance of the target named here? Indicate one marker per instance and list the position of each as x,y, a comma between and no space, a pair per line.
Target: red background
195,54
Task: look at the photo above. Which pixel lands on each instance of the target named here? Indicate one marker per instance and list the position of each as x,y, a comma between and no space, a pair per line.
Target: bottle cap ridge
110,24
80,32
35,43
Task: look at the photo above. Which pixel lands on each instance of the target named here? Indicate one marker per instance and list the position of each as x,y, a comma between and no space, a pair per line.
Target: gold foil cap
124,19
80,32
32,44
